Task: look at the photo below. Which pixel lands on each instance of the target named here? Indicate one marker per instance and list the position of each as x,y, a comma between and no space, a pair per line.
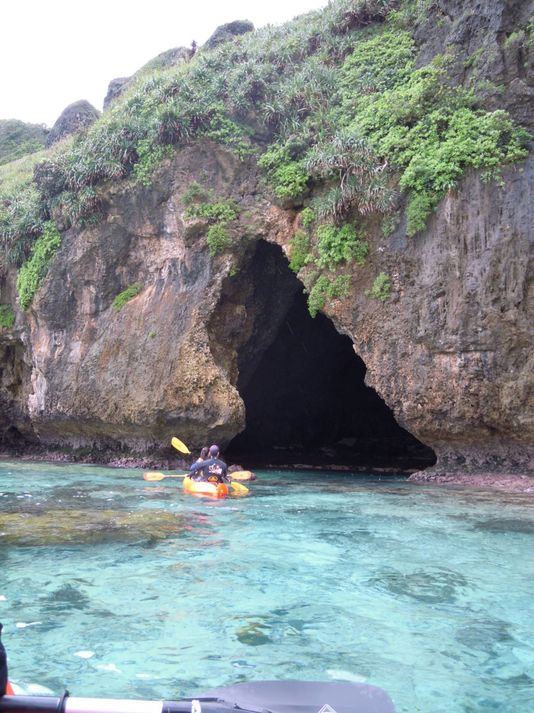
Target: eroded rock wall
451,351
135,377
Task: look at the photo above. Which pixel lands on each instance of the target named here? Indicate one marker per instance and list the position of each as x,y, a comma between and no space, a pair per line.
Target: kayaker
203,455
214,470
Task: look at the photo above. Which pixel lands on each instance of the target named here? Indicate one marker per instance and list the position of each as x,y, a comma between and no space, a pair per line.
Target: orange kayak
203,487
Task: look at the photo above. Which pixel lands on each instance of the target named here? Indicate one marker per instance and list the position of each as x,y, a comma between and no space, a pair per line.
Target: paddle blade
180,446
239,489
304,697
152,476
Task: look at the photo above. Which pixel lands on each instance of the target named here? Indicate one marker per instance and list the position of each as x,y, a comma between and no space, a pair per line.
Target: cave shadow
305,396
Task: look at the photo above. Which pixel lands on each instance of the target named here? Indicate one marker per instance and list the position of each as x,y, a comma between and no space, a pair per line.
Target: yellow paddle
180,446
153,476
239,488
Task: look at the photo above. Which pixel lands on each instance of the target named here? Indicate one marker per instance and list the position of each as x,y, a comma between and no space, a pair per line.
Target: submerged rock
507,525
485,634
253,634
434,585
82,527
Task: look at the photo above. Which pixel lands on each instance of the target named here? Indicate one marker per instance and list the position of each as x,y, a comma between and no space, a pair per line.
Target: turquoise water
144,591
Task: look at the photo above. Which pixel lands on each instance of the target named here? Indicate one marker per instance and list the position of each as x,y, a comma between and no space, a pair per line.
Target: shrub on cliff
218,215
325,288
299,251
432,132
336,245
126,295
34,270
7,316
22,212
287,176
381,288
358,180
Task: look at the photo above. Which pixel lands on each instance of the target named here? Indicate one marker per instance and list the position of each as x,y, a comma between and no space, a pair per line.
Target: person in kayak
213,470
203,455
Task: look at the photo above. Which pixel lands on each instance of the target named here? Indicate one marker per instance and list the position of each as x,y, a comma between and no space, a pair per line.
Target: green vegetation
333,107
381,288
126,295
217,238
149,158
299,251
18,139
325,249
389,224
433,133
381,63
307,218
325,288
218,214
34,270
195,194
222,211
333,246
7,316
287,176
336,245
22,214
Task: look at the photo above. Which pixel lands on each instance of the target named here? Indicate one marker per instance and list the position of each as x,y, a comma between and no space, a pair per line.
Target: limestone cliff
450,350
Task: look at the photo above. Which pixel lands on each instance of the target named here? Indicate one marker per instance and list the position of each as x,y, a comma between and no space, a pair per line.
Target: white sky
55,52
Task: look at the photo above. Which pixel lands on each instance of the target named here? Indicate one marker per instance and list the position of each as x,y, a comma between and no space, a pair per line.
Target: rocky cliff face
156,367
136,375
450,352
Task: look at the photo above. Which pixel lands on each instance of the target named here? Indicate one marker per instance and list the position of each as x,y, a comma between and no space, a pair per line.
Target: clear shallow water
426,592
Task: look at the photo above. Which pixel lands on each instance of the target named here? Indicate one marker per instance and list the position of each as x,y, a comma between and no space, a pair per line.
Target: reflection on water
113,587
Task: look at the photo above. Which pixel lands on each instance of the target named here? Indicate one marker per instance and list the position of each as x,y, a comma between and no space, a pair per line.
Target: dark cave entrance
304,392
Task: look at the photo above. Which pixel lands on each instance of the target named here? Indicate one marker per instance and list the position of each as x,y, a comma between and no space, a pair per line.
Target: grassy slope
18,139
331,104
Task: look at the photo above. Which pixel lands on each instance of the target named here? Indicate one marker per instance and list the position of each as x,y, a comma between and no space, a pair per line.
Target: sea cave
304,388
